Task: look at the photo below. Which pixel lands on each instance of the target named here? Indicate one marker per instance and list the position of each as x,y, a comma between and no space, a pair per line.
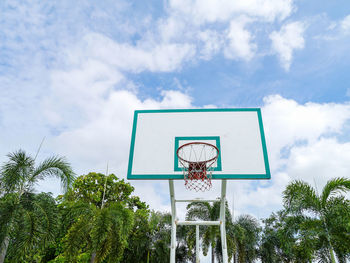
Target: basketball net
196,160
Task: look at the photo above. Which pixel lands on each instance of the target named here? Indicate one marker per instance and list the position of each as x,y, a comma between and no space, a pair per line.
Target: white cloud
321,161
90,103
215,27
211,43
172,28
261,197
286,123
337,30
301,142
224,10
75,94
284,42
106,134
239,41
106,138
147,56
345,24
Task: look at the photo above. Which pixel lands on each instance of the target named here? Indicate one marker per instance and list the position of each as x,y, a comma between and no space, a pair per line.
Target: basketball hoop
196,160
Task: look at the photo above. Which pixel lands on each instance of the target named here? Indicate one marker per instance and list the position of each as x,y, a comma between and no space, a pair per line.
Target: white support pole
197,200
197,243
200,223
173,224
222,219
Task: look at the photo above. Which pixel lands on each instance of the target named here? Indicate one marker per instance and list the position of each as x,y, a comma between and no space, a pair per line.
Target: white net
197,160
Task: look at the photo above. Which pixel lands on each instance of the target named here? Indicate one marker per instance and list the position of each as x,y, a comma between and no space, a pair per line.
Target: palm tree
209,234
270,244
246,236
160,224
103,231
157,240
35,226
286,238
18,177
323,213
138,248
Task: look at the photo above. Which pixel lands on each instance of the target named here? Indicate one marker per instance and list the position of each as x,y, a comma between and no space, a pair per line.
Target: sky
74,72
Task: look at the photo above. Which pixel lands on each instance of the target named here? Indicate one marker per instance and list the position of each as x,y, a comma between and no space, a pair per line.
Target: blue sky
74,72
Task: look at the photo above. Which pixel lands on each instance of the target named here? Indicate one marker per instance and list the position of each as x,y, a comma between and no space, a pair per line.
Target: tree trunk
4,246
241,255
212,255
93,256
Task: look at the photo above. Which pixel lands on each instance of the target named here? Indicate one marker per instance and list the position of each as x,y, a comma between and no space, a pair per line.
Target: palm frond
123,220
77,236
338,206
215,210
34,225
16,170
27,234
198,210
55,167
334,186
100,235
7,209
299,196
45,209
73,210
206,242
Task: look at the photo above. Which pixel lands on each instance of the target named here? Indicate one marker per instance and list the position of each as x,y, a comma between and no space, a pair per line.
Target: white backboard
238,133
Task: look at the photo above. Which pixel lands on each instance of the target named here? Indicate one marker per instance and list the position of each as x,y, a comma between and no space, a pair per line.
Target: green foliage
33,225
246,237
160,237
139,241
299,197
90,188
19,174
324,218
98,220
99,215
150,240
287,238
210,235
337,219
28,220
310,227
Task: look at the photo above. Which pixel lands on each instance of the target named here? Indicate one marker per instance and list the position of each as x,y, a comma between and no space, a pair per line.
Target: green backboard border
131,176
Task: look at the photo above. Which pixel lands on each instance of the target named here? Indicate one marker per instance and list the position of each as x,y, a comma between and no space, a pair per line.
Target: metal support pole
173,225
222,219
197,200
200,223
197,243
175,222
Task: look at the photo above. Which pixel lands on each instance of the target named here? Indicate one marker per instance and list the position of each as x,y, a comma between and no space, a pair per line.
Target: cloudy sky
74,72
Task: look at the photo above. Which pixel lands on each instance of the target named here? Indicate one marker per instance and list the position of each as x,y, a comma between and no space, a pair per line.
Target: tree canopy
98,219
27,220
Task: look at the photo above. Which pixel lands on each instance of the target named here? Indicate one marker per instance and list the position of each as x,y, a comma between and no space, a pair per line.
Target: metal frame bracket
220,223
